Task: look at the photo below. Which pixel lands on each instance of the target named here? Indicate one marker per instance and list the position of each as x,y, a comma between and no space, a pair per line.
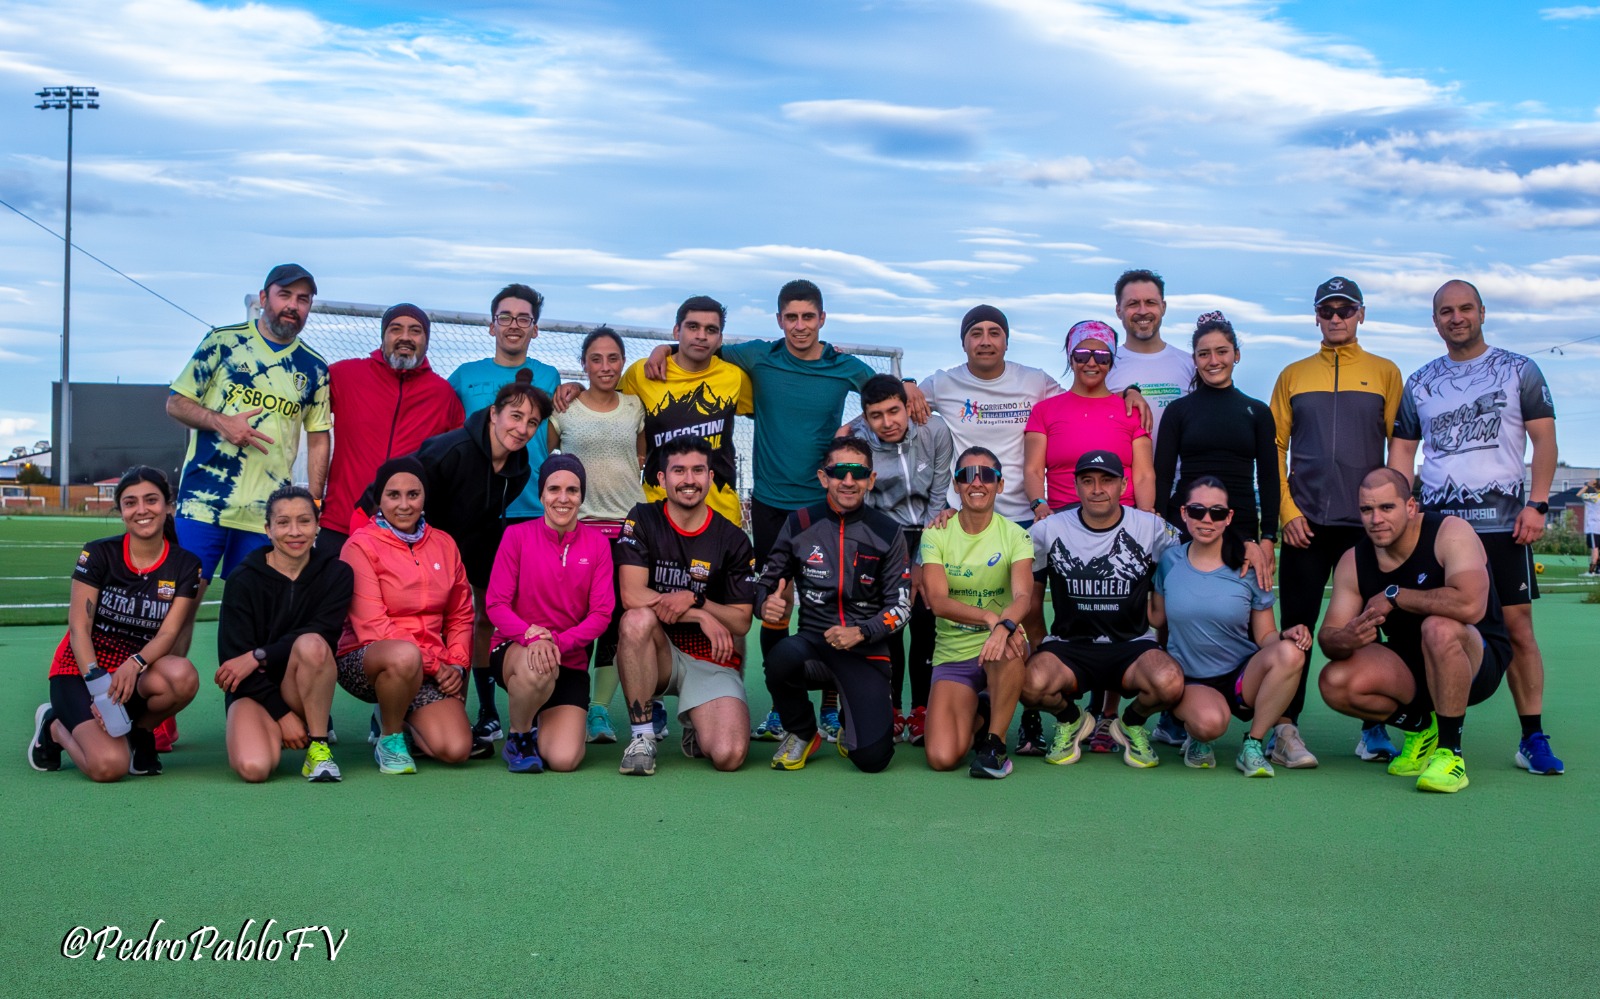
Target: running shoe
1196,754
991,761
44,752
1169,730
166,735
374,732
1030,734
1288,749
899,725
1067,746
392,755
1446,772
639,757
319,767
658,719
828,724
691,743
1375,746
598,725
770,730
917,726
144,760
521,753
1414,755
484,735
1533,755
1135,743
1252,761
793,751
1101,741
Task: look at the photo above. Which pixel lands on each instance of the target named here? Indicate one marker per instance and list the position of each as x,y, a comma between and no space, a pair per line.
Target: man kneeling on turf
1100,559
687,578
852,584
1421,581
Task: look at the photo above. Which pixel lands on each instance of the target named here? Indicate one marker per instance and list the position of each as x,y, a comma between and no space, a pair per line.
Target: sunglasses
977,473
1342,311
1197,512
842,470
1085,356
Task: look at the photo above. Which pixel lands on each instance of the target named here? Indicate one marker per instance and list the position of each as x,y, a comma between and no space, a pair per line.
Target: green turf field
1090,879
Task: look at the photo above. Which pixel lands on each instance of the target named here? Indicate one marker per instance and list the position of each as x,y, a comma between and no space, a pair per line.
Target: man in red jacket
385,404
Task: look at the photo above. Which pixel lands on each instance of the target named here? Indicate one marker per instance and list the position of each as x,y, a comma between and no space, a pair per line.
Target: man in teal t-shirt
514,324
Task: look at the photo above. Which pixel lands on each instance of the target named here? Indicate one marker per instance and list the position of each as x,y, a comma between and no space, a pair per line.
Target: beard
285,326
403,362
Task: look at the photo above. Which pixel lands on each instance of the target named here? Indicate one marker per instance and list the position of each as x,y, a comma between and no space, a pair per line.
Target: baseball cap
1099,461
286,274
1338,287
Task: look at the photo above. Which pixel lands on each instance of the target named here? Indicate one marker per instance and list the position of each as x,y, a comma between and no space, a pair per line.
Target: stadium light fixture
68,99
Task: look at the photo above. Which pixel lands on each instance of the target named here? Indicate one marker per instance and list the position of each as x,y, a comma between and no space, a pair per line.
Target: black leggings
1302,575
921,628
804,662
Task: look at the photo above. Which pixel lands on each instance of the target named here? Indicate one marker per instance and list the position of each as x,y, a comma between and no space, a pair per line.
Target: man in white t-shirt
1164,372
1590,494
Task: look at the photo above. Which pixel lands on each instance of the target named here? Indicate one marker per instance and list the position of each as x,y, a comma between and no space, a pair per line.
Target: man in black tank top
1414,632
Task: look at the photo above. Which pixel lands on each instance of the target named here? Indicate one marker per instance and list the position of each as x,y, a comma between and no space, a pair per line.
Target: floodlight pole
68,99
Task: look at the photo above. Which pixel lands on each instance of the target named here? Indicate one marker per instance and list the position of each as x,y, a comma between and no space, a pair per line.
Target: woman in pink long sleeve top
550,595
408,639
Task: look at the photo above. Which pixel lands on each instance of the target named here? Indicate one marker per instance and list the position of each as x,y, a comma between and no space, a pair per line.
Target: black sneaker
484,735
1030,735
990,761
44,753
143,761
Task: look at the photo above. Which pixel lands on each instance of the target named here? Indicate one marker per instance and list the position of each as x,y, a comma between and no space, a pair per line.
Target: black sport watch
1542,508
1390,592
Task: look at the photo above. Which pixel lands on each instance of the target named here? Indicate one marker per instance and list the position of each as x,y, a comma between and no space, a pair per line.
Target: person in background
1590,494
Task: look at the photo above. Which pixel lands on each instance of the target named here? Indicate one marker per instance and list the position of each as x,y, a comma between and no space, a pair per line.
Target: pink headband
1090,329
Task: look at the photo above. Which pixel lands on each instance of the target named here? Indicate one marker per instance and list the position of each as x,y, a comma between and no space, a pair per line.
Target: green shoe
1414,755
1446,772
319,767
1252,761
1198,755
392,755
1135,743
1067,744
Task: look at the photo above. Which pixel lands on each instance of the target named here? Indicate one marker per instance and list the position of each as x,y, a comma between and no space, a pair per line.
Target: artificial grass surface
1093,878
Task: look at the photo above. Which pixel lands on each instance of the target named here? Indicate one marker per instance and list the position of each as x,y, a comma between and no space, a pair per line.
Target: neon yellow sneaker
1066,746
1419,746
319,767
793,751
1135,743
1446,772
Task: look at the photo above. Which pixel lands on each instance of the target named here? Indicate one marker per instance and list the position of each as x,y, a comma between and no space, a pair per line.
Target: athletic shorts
70,700
1231,686
353,678
1591,541
214,544
967,672
695,682
1496,659
1511,567
572,685
1098,665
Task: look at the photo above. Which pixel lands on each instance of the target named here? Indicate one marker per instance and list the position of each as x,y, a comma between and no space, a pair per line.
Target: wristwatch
1390,593
1008,625
1542,508
699,600
138,660
1035,504
260,654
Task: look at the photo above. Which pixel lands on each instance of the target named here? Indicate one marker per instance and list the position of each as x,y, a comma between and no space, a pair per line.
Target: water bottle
113,714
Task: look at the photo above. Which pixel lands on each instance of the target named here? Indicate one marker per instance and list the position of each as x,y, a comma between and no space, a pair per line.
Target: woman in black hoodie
282,613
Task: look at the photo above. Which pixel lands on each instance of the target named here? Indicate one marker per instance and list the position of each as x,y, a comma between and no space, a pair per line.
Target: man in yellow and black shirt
1334,412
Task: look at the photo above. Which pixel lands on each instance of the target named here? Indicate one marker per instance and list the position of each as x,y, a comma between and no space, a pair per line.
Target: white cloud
14,426
1579,13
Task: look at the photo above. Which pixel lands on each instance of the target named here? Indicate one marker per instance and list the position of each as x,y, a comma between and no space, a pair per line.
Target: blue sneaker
598,726
770,730
1169,730
658,719
521,753
1375,746
1534,756
828,724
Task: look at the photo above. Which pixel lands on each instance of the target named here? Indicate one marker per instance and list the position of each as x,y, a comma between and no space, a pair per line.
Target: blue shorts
213,544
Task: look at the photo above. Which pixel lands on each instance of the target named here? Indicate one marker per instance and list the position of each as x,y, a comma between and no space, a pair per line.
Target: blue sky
914,158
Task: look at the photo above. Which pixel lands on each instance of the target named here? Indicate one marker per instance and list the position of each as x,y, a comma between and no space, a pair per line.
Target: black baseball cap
1099,461
287,274
1338,287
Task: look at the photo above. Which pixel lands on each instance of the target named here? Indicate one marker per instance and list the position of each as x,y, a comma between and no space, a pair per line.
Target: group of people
502,529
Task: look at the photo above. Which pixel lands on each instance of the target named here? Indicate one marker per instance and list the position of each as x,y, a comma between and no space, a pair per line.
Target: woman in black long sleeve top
1218,430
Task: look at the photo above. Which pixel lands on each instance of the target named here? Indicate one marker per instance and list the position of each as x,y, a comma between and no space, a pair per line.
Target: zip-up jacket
464,496
847,569
561,583
264,609
913,475
1334,412
379,413
415,593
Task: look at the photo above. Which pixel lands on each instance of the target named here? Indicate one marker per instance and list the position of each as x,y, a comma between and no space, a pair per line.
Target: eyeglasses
507,319
843,470
1198,512
977,473
1342,311
1085,356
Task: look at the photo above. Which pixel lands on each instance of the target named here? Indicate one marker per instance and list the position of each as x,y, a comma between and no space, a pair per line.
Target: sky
914,158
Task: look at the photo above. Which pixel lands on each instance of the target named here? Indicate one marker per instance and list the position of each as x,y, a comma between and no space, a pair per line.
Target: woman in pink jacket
408,639
550,596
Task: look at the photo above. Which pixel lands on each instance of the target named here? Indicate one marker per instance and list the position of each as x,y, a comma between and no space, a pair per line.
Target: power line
1557,348
108,267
